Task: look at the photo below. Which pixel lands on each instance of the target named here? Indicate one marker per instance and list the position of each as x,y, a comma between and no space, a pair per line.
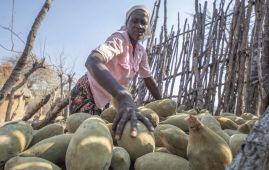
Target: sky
72,28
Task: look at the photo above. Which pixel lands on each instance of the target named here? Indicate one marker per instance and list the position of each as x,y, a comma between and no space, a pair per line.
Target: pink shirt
123,63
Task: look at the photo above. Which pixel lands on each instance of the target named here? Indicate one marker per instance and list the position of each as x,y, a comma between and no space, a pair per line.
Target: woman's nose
139,25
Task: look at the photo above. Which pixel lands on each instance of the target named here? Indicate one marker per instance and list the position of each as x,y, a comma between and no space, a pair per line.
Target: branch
26,52
52,114
34,109
13,33
36,66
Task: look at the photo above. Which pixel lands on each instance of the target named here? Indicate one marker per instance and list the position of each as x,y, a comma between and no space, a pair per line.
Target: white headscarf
147,33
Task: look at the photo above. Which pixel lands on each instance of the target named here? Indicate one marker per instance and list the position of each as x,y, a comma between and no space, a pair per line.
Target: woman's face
137,25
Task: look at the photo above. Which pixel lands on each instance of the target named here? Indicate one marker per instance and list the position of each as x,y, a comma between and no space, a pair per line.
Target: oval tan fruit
161,161
30,163
158,142
177,120
249,116
227,123
150,114
14,138
175,140
140,145
231,132
120,159
75,120
206,150
47,132
236,141
52,149
163,108
238,120
90,147
109,114
211,122
247,127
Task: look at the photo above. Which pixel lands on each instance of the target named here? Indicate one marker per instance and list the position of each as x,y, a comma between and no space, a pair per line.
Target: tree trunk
230,73
253,69
265,57
26,52
243,54
254,154
198,91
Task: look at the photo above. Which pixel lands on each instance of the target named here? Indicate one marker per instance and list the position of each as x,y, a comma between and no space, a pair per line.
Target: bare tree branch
52,114
35,108
26,52
36,66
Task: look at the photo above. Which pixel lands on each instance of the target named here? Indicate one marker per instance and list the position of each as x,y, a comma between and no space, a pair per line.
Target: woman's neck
133,42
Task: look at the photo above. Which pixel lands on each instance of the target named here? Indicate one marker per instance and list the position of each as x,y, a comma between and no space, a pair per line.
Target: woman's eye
144,23
135,21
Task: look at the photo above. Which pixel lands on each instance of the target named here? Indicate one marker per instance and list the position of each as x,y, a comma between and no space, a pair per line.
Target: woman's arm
152,87
127,109
103,76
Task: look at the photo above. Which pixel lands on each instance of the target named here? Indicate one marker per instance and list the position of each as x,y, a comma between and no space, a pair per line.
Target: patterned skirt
82,98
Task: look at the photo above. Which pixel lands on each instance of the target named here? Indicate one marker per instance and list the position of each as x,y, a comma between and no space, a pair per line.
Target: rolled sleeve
144,69
112,47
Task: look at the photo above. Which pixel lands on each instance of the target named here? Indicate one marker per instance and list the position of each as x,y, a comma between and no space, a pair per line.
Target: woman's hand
127,110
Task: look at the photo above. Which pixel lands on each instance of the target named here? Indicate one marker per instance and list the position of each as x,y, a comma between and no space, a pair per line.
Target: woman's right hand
127,110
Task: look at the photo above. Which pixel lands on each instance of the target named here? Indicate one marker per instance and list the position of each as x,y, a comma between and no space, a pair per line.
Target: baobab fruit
15,137
231,132
75,120
227,123
120,159
47,132
175,140
210,122
177,120
181,108
236,141
30,163
161,161
109,114
140,145
247,127
52,149
227,114
238,120
164,107
206,150
158,142
90,147
192,112
249,116
150,114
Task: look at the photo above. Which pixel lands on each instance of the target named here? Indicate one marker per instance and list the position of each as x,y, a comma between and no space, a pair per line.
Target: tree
26,52
254,154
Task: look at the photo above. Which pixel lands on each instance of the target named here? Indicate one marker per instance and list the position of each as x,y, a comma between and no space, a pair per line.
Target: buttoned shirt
122,61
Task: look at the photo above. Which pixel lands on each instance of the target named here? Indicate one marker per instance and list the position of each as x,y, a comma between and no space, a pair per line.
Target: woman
111,67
